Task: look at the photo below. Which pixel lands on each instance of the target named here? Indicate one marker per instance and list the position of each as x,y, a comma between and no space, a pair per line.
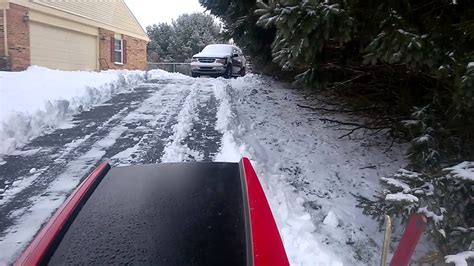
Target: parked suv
218,60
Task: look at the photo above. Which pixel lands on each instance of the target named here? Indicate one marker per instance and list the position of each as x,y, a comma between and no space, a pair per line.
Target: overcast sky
150,12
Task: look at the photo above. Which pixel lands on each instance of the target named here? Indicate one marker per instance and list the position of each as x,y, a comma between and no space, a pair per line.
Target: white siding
59,48
111,12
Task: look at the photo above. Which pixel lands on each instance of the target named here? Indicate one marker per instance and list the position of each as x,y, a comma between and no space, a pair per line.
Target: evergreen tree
192,33
161,36
186,36
240,25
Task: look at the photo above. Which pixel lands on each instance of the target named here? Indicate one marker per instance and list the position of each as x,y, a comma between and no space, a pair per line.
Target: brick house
70,35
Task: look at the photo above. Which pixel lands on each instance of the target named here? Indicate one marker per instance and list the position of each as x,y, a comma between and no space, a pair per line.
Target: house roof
112,15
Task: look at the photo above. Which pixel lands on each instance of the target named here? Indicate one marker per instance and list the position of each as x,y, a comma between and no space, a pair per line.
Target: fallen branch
337,110
390,146
355,125
347,81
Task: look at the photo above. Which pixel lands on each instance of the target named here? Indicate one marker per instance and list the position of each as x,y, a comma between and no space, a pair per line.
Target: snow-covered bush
186,36
445,197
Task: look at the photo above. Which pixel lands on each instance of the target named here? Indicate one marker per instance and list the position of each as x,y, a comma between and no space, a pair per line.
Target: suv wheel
194,75
242,72
228,72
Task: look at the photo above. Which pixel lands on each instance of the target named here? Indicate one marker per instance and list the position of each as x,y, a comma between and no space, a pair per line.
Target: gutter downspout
5,35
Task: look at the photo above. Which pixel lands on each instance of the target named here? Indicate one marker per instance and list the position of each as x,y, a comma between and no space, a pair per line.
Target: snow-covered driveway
307,172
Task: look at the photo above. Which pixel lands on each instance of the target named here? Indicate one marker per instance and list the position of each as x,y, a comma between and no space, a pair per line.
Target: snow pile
230,151
331,220
161,74
40,99
460,259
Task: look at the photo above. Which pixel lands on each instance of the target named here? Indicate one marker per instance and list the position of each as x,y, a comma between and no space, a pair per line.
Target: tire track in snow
35,203
41,151
177,122
227,125
56,150
204,137
177,150
149,144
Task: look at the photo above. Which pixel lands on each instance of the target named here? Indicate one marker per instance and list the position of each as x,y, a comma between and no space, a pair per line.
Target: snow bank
39,99
161,74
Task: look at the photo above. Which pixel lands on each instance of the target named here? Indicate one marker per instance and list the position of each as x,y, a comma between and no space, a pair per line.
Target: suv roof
221,48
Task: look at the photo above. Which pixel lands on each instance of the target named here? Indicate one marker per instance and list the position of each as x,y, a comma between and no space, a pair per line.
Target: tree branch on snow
356,126
338,110
347,81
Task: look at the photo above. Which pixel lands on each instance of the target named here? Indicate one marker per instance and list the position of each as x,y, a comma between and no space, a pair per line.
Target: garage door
59,48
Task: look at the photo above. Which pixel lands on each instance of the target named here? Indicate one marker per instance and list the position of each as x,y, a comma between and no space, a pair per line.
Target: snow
230,151
406,173
17,186
401,197
410,123
464,170
460,259
309,174
397,183
216,50
331,220
176,151
40,99
423,139
470,65
31,219
162,75
430,214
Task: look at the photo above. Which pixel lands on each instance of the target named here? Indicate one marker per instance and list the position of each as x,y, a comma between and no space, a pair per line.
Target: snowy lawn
309,174
40,99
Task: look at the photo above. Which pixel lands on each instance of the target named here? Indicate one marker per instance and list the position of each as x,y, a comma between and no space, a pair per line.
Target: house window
118,53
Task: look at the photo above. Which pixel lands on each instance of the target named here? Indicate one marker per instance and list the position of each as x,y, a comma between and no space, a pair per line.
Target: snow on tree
240,25
446,198
186,36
